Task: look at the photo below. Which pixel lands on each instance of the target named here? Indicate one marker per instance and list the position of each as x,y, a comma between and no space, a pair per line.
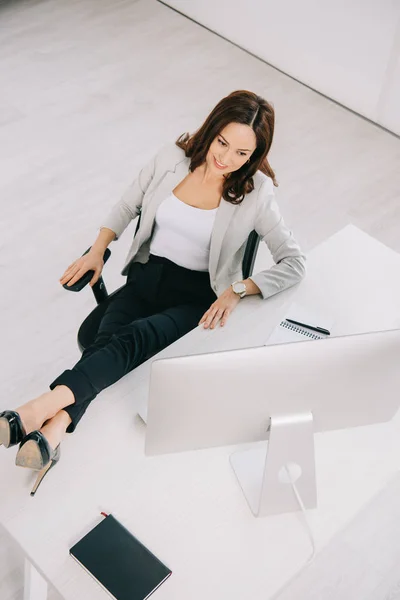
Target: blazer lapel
223,217
170,180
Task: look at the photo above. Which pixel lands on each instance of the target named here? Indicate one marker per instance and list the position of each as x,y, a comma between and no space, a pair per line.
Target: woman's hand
220,309
92,261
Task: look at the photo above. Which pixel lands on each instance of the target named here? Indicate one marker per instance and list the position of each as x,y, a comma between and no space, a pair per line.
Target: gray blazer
232,225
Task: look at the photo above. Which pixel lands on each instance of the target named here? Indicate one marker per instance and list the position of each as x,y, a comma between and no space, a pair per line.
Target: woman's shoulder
262,195
263,183
169,153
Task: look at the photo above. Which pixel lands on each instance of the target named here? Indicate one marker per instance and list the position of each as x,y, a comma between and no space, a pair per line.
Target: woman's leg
55,429
125,350
43,408
123,308
116,353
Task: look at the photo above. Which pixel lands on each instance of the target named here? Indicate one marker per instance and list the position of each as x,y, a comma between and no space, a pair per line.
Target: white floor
89,90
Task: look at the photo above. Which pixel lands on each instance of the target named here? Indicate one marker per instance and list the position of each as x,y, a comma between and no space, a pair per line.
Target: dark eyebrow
244,149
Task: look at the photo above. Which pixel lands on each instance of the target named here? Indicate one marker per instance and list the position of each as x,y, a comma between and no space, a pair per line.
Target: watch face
239,288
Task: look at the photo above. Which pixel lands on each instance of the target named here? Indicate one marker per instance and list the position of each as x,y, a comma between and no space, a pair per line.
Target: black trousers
160,302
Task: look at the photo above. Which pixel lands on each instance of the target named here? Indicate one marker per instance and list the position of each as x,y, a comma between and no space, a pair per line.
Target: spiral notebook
286,332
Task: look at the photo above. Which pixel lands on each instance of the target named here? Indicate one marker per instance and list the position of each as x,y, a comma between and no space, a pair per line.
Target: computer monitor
284,393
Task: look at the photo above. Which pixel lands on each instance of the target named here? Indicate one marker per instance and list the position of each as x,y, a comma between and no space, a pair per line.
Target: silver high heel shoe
35,453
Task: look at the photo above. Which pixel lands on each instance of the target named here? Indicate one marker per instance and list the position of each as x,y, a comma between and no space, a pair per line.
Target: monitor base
265,474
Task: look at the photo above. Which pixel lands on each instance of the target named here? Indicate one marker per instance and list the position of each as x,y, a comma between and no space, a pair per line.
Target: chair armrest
250,254
85,279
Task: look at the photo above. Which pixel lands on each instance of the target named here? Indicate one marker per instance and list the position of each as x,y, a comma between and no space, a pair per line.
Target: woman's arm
289,266
128,207
103,240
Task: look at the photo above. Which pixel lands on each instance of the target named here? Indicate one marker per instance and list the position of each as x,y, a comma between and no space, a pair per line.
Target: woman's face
231,149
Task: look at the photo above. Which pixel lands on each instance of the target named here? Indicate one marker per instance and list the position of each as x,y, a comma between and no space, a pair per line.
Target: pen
319,329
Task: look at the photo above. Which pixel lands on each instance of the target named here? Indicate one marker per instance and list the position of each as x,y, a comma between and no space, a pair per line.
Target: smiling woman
184,266
234,140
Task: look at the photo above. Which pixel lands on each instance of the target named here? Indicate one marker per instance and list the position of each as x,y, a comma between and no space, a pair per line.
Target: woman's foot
55,429
12,430
40,449
36,412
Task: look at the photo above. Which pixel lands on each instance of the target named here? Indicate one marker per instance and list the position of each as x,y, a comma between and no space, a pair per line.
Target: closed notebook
121,564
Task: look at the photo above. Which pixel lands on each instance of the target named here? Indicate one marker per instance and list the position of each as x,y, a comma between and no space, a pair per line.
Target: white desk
188,508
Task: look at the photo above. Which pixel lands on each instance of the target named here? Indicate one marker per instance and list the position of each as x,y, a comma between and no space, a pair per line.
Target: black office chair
88,330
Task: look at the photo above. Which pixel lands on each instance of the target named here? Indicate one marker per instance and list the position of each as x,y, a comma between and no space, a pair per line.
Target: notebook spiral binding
297,329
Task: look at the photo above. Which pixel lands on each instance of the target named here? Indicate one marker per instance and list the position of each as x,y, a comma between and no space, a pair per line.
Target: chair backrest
250,254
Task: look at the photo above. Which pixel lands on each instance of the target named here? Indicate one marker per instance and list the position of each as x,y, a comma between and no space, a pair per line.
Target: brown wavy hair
242,107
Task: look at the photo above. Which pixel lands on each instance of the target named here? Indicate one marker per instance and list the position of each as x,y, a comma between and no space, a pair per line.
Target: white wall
348,49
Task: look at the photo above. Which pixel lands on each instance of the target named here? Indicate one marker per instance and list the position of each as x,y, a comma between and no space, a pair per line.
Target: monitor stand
265,473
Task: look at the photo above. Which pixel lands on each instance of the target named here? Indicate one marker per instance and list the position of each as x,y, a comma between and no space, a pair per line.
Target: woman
199,200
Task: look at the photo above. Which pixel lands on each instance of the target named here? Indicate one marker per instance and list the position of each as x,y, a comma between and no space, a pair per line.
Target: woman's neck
208,179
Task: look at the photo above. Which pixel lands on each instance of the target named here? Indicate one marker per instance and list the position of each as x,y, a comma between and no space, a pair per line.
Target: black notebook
119,562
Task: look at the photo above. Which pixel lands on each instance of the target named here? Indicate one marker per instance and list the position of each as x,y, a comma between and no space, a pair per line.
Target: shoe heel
35,453
42,474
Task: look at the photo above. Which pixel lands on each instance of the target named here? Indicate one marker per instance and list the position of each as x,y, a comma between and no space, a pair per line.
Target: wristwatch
239,288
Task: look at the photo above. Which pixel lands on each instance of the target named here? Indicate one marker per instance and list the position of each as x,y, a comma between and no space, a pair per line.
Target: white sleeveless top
182,233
